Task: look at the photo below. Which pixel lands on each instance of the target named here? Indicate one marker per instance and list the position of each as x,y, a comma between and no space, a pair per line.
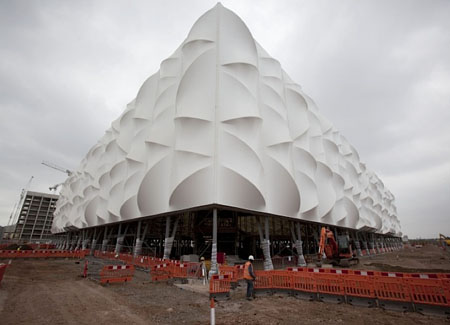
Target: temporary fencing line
425,293
12,254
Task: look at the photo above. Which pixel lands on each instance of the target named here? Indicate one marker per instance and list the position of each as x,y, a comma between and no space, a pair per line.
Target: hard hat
251,258
202,258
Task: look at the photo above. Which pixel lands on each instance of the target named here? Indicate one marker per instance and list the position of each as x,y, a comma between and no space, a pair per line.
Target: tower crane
16,210
54,166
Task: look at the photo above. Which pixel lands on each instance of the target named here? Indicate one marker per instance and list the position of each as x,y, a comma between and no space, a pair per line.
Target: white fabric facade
222,123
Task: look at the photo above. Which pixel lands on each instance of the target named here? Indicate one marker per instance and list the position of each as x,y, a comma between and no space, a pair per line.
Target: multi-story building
36,217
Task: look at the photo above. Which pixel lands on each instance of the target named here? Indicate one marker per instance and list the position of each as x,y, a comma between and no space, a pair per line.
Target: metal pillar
85,241
214,268
366,248
168,241
358,245
265,243
120,239
105,239
78,243
383,246
377,245
372,245
297,239
139,239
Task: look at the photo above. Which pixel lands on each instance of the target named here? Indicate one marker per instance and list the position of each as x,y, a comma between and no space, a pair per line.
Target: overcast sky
379,70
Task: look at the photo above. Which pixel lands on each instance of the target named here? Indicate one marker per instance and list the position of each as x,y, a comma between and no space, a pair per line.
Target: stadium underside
238,234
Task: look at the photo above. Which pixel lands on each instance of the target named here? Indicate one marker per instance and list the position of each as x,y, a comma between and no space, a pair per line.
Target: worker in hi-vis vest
249,277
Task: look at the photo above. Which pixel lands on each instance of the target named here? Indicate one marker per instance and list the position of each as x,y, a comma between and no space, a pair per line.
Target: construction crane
13,217
61,169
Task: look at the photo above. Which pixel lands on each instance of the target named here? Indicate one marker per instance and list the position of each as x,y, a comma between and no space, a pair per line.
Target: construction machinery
337,253
444,239
54,166
61,169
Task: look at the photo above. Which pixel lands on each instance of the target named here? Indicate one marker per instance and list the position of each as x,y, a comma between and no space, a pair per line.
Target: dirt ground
429,258
52,292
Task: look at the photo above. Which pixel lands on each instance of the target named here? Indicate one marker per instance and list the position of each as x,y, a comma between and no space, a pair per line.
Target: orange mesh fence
116,273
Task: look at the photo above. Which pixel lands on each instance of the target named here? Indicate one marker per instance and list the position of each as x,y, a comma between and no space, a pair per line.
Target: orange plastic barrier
142,262
116,273
330,287
194,270
360,290
219,286
303,285
428,291
161,272
392,293
365,273
263,283
180,270
239,272
228,270
281,281
127,258
2,271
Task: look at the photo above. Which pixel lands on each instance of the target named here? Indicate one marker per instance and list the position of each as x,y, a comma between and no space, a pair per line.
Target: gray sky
379,70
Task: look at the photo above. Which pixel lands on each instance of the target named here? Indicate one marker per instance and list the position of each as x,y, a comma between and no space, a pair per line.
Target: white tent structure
222,124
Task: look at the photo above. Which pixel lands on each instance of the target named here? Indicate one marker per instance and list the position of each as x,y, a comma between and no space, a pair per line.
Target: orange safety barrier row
2,271
42,254
116,273
392,290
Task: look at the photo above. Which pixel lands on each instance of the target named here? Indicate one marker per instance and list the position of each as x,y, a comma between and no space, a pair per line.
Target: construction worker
204,270
249,277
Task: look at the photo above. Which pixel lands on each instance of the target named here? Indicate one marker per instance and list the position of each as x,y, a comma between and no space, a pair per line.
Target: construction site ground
53,292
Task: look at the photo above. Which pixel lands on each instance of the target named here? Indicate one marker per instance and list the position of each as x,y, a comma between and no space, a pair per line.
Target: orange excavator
338,253
444,240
